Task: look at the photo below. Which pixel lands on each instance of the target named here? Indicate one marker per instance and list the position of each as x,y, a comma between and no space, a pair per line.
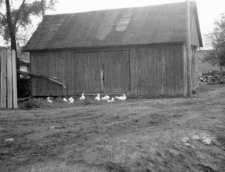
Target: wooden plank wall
55,64
102,72
141,70
80,72
88,72
157,70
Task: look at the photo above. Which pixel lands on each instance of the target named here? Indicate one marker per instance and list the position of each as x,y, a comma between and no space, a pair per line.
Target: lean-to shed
139,51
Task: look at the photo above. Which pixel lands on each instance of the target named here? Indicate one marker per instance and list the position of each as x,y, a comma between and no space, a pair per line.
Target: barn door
116,71
98,72
87,73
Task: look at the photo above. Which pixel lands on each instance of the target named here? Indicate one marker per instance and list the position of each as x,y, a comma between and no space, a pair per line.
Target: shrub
31,104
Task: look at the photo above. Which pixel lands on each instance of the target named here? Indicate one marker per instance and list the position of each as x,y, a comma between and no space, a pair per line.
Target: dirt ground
137,135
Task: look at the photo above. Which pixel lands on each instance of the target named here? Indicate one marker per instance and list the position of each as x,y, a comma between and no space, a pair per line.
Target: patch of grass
89,102
207,168
221,140
113,167
31,104
208,88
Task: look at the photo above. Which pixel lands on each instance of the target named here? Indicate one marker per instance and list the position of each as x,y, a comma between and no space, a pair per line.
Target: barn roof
115,27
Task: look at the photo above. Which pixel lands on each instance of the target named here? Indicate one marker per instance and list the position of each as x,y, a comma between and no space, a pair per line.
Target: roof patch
54,27
107,25
123,23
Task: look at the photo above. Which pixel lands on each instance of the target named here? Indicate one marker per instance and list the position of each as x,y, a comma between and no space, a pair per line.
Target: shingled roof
114,27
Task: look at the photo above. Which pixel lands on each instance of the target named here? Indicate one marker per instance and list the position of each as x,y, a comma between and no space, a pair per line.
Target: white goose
112,100
64,99
98,97
49,100
82,97
121,97
71,100
106,97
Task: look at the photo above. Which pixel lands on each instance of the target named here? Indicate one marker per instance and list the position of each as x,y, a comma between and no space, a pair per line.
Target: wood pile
212,77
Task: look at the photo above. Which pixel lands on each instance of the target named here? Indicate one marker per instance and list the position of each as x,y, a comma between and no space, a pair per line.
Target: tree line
216,56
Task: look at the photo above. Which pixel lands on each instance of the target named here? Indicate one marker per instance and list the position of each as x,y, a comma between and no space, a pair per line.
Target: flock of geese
97,98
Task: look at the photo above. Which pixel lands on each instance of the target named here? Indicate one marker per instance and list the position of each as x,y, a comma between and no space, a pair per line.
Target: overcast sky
208,10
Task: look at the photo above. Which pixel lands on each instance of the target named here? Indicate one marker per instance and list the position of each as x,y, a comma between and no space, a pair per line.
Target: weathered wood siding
98,72
194,69
58,64
81,72
144,70
157,70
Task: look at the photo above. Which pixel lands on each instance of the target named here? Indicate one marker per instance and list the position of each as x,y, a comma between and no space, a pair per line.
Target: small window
123,23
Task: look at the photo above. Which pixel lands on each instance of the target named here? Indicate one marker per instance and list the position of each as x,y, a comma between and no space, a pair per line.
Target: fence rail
8,80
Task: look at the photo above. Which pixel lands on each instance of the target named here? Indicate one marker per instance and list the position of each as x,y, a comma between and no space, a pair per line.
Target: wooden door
98,72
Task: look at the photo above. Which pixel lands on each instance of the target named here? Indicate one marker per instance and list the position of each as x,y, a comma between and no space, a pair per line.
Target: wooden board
9,79
70,82
14,80
105,71
3,78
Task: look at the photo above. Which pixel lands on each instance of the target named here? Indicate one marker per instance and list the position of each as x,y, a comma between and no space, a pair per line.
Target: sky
208,10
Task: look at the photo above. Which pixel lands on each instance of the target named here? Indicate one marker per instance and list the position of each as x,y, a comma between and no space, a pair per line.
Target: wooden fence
8,80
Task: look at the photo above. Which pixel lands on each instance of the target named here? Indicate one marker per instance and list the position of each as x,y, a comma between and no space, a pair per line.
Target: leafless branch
3,16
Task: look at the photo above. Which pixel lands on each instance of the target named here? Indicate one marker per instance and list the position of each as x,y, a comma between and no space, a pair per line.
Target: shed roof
115,27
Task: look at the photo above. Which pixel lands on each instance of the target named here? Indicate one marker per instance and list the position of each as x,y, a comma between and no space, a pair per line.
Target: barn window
123,23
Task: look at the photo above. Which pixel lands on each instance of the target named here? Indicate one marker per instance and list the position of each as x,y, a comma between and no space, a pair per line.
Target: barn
139,51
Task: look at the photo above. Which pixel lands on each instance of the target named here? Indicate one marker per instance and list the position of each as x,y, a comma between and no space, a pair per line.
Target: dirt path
157,135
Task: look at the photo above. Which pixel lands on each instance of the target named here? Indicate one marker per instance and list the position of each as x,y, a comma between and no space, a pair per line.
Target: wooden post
9,79
188,45
3,79
14,79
